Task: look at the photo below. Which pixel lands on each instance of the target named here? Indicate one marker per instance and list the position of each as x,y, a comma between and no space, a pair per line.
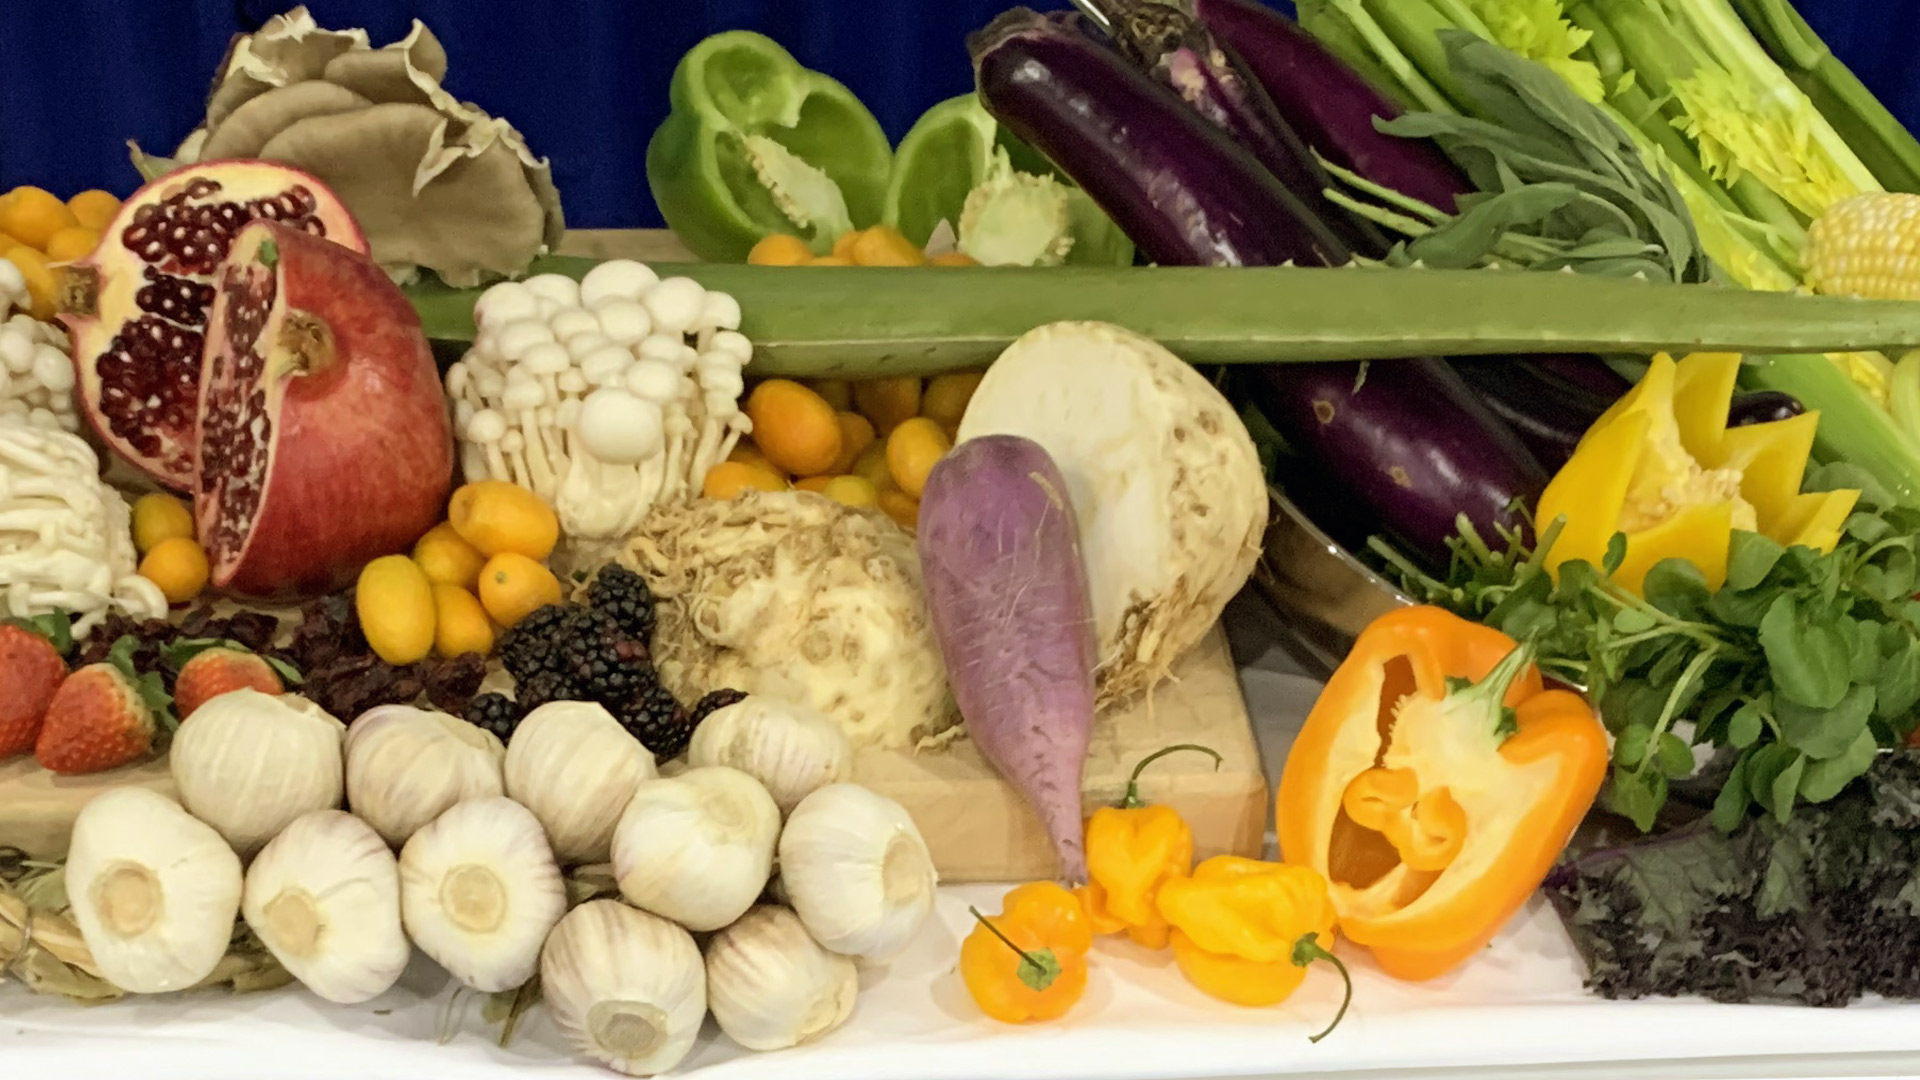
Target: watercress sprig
1799,669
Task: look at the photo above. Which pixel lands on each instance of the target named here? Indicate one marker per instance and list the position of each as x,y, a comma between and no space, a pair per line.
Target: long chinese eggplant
1329,104
1550,401
1185,192
1180,54
1413,443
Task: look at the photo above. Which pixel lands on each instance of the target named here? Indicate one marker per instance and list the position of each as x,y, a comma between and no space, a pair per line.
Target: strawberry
209,668
103,716
30,671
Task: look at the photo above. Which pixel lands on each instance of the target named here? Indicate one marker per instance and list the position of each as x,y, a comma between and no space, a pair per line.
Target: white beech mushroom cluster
66,541
607,397
36,372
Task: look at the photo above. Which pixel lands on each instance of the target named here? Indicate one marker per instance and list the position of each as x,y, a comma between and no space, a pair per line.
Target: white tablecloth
1517,1011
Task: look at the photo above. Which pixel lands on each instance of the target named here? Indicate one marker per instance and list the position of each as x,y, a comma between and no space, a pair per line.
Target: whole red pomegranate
324,440
137,307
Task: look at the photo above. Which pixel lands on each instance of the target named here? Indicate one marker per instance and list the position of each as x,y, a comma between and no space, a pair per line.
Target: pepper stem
1132,801
1494,687
1306,951
1043,971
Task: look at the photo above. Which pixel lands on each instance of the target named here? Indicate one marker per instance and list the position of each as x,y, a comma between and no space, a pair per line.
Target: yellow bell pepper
1244,931
1662,468
1132,849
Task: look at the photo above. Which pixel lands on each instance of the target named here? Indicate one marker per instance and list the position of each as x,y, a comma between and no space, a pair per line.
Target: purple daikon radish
1007,591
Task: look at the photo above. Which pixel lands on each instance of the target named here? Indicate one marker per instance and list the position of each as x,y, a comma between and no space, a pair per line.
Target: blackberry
624,595
542,688
658,721
601,660
713,703
530,646
496,713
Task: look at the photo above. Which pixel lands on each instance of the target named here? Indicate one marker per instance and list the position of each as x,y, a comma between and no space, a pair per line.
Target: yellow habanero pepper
1131,849
1433,785
1030,961
1244,931
1663,469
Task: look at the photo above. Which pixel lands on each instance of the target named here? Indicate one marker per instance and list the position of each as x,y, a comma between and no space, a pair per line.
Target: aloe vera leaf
870,322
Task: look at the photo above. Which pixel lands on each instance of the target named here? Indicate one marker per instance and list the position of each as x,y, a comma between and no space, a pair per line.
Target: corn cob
1867,246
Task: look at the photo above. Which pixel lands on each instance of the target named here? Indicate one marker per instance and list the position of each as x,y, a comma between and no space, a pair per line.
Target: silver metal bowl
1324,595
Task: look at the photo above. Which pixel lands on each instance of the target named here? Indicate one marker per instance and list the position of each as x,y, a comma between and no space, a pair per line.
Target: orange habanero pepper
1131,849
1434,784
1244,931
1030,961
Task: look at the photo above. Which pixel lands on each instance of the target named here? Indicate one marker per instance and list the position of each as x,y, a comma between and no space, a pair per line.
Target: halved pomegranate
137,307
324,439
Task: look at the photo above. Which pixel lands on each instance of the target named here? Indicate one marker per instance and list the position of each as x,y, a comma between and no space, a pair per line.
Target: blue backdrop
586,80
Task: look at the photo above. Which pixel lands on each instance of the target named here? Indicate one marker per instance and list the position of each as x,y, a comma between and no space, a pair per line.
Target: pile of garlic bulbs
66,541
36,372
480,886
606,397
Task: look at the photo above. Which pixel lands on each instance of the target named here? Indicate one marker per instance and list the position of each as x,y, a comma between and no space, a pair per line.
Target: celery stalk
1733,47
1332,30
1414,27
1541,31
1388,53
1663,59
1852,428
1881,141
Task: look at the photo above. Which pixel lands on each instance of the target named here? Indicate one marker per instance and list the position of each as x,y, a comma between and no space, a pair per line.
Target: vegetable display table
1517,1011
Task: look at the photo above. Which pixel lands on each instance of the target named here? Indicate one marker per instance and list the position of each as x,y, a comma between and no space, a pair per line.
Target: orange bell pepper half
1029,962
1434,784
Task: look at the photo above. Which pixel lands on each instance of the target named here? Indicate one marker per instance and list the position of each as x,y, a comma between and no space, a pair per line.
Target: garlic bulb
857,872
787,747
625,987
154,891
405,766
697,848
771,986
247,763
479,890
324,897
574,766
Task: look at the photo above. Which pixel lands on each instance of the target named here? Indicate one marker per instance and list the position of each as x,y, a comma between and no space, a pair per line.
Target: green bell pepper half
950,152
755,144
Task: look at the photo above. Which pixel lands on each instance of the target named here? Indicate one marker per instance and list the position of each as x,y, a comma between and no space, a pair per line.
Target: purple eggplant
1411,441
1179,53
1185,192
1549,401
1763,407
1328,103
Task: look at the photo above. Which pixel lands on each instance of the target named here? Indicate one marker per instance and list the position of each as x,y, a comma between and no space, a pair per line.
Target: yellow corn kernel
1867,246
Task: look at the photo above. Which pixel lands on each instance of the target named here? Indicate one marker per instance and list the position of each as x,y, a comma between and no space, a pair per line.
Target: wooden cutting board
977,826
